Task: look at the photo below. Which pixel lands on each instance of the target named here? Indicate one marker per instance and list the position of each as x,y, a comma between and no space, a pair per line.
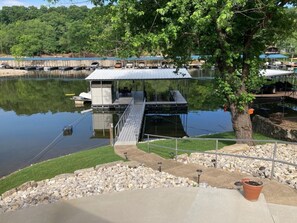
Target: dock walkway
280,94
131,129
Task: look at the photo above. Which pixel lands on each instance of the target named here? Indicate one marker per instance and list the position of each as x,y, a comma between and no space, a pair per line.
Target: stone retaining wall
266,127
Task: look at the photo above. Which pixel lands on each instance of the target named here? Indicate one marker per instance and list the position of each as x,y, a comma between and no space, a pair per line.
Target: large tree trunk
242,124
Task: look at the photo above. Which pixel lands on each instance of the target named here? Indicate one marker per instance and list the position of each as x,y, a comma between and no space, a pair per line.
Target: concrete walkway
274,191
174,205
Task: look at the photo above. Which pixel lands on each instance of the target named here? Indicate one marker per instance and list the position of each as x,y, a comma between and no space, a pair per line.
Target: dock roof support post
101,94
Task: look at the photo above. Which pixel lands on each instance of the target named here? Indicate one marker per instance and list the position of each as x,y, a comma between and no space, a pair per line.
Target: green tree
76,37
13,14
50,29
32,38
105,38
289,43
29,45
75,13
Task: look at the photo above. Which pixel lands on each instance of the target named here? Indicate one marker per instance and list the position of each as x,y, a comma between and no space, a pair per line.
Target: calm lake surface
34,112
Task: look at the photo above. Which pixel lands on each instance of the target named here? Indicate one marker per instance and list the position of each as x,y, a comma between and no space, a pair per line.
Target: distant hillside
75,31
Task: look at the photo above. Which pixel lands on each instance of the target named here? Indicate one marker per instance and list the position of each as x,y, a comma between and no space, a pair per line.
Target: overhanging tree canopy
234,32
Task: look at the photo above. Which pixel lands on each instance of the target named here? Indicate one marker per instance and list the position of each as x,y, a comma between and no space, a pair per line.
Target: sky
38,3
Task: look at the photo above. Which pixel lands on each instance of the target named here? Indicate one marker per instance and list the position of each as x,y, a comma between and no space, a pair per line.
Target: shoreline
12,73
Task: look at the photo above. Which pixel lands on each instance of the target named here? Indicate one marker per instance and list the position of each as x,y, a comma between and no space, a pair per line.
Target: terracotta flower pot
251,189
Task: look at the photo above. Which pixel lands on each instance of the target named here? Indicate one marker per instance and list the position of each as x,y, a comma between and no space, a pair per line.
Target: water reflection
208,122
33,114
26,139
101,123
165,125
194,123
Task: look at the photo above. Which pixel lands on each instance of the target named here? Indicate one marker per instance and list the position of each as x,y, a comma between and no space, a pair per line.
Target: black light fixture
160,166
262,170
214,162
238,185
199,172
126,155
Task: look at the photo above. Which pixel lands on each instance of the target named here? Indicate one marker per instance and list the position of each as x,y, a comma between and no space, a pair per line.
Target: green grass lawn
93,157
53,167
165,148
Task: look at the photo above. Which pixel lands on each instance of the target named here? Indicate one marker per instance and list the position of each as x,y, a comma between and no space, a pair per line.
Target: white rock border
88,182
283,173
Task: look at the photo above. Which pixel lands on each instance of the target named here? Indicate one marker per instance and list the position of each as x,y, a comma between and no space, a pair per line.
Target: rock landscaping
283,173
276,127
87,182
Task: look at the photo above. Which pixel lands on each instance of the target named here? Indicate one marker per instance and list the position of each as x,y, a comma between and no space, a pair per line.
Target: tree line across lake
31,31
82,31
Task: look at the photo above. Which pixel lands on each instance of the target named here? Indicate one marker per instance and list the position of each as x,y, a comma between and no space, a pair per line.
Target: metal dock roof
272,72
138,74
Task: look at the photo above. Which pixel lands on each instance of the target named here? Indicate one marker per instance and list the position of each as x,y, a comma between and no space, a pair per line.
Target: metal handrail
118,127
142,112
223,139
273,160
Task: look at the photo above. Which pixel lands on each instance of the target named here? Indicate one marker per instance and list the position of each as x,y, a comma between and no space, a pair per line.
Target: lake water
34,112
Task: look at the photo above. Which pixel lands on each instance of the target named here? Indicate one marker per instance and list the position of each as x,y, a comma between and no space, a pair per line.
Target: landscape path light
160,166
214,162
262,171
199,172
126,155
238,185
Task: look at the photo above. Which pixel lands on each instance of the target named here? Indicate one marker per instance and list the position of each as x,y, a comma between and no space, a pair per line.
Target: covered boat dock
105,94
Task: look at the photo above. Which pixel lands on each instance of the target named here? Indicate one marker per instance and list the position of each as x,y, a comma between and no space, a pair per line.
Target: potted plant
251,189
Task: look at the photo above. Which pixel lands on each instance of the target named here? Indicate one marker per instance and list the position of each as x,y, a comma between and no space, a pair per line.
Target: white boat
82,97
85,96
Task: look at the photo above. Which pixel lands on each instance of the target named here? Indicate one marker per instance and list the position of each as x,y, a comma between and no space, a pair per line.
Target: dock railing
267,155
118,127
142,112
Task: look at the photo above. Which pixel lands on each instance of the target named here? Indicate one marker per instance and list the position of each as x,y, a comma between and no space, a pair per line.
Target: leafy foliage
289,43
80,30
233,32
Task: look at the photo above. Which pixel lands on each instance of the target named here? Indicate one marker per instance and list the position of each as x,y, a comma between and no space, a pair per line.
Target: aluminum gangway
128,133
